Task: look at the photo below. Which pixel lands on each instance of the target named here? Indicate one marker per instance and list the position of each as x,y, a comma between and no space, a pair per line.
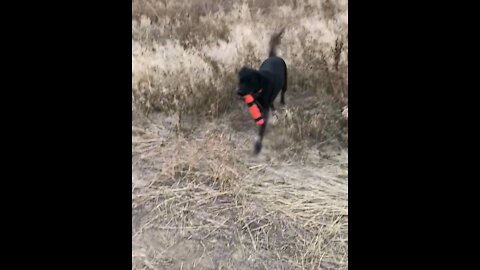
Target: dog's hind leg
284,88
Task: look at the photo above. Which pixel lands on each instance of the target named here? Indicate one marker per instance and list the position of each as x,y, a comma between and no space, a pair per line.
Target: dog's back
275,67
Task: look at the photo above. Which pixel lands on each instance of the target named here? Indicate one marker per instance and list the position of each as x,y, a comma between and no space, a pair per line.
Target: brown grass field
200,200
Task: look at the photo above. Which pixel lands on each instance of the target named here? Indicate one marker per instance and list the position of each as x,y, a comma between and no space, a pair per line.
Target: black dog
265,84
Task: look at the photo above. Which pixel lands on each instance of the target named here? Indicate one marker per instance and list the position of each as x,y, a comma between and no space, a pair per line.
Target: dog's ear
243,70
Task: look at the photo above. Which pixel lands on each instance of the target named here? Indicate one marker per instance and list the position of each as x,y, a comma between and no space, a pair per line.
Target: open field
200,200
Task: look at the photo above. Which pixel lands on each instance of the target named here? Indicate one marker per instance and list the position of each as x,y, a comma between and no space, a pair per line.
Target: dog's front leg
261,133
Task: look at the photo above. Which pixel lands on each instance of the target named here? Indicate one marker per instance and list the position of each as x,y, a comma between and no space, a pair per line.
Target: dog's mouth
240,94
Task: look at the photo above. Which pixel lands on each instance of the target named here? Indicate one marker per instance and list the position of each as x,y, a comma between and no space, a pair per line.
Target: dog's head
250,81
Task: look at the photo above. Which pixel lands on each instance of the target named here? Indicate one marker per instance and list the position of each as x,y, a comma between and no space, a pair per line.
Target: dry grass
199,200
199,203
186,54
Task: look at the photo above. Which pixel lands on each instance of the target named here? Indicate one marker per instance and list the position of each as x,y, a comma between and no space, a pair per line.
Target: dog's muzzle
239,95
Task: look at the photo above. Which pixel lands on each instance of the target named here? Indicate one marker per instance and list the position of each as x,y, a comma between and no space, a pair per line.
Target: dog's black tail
274,41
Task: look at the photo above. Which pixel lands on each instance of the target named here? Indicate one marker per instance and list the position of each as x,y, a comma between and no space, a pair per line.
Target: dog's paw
273,118
257,148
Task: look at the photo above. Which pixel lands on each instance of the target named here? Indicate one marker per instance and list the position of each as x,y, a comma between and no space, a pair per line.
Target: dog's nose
238,92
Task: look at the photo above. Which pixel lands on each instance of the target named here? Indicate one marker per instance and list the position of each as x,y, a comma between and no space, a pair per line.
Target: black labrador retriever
265,84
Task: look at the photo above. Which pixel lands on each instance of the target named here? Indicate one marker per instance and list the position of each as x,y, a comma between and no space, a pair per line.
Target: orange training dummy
254,111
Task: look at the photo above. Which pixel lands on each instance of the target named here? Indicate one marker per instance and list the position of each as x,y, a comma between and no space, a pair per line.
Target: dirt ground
200,200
